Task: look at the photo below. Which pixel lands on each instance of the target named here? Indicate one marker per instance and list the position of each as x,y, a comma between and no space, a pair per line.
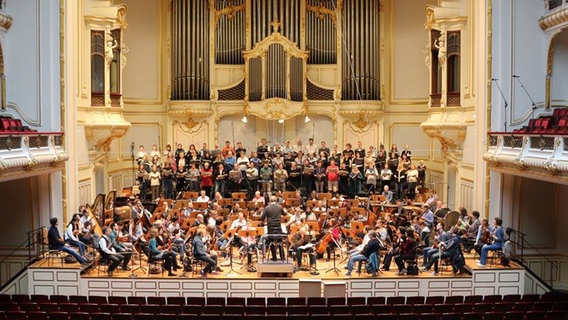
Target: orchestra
301,206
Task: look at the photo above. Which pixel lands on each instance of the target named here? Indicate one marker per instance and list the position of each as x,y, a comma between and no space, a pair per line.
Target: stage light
244,119
307,119
281,121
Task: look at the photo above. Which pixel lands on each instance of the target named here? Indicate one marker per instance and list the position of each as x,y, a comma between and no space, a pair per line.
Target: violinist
135,230
119,244
72,234
310,215
167,256
387,194
109,253
87,235
296,217
407,250
470,236
439,237
395,248
483,235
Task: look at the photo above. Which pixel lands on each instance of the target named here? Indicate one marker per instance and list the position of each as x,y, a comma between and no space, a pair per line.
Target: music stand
334,268
245,233
313,226
333,202
140,266
200,205
230,234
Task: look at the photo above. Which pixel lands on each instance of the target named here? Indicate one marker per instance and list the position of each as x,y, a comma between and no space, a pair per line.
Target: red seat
98,299
275,301
176,300
396,300
199,301
360,309
129,308
454,299
236,301
356,301
136,300
117,300
156,300
435,300
256,301
415,300
171,309
335,301
377,300
296,301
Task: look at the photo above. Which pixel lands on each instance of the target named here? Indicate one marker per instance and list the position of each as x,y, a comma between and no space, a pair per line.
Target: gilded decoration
230,10
321,11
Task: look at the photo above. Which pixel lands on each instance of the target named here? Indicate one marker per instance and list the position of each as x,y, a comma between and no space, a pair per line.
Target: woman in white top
155,179
242,161
386,175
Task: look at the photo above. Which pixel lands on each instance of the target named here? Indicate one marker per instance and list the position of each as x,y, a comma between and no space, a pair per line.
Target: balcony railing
30,150
547,153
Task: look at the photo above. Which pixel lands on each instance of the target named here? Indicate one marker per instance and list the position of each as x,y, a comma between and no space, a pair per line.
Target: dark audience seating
488,307
557,123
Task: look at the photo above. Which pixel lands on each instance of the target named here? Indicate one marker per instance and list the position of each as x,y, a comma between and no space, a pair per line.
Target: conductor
272,214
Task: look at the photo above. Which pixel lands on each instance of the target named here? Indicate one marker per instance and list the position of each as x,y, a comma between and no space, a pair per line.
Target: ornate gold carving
121,16
430,17
230,10
321,11
361,122
549,63
276,108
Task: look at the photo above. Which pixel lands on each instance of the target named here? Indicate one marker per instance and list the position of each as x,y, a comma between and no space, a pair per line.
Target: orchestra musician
387,194
406,250
448,249
497,241
168,256
109,253
55,242
119,243
72,234
200,253
301,242
439,237
86,223
371,247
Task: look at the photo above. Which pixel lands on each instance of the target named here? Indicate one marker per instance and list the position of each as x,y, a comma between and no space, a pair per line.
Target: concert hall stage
69,279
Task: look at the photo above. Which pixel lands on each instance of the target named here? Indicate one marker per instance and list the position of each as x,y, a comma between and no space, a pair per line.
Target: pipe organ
300,35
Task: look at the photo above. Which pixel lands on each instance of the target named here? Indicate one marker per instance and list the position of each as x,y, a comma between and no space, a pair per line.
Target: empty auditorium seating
557,123
400,308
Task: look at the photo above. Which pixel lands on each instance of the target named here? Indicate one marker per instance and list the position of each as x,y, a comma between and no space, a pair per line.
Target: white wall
31,57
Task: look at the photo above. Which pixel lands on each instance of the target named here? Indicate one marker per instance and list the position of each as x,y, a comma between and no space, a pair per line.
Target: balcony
555,16
30,153
541,156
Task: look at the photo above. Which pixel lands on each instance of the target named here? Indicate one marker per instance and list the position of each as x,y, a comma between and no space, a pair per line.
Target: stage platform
70,279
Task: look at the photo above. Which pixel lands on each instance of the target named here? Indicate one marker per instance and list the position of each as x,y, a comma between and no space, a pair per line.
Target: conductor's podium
275,269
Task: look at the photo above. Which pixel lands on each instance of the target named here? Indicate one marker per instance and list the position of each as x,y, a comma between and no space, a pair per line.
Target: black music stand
231,236
334,268
245,233
140,266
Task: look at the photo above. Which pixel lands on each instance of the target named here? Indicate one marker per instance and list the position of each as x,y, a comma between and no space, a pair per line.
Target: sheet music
307,246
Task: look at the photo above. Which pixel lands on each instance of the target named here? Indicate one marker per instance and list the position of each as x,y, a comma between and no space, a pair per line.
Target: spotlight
307,119
244,119
281,121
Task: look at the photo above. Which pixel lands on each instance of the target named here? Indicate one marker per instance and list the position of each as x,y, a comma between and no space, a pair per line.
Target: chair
517,297
58,315
53,254
195,310
117,300
234,310
172,309
198,301
81,316
472,316
48,306
319,310
215,301
396,300
28,306
296,301
493,315
422,308
256,301
78,299
473,299
151,308
69,307
236,301
109,308
137,300
483,307
351,301
259,310
101,316
319,301
156,300
122,316
400,308
276,310
176,300
98,299
415,300
297,310
89,307
275,301
463,307
453,299
360,309
130,308
39,298
376,300
435,300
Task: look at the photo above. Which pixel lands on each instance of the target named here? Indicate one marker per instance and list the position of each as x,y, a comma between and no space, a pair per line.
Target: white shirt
202,199
238,223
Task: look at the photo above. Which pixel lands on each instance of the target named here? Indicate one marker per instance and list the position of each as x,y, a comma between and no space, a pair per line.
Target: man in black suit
272,214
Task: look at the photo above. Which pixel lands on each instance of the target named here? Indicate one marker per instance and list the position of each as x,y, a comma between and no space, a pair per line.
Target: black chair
117,300
256,301
415,300
98,299
137,300
199,301
453,299
176,300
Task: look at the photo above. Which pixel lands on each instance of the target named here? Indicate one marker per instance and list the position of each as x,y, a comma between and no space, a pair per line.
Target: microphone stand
533,104
504,100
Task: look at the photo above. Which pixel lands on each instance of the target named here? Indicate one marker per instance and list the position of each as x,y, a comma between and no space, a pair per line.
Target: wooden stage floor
240,271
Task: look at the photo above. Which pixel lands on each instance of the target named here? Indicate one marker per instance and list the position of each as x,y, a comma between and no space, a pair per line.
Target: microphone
494,79
516,76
